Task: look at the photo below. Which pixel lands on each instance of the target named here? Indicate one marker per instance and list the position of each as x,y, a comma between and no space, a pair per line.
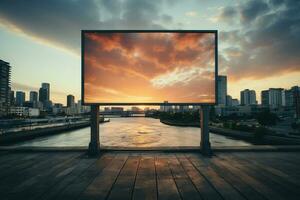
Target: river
134,132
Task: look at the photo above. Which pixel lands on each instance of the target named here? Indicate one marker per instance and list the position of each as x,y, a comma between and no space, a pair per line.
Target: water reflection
134,132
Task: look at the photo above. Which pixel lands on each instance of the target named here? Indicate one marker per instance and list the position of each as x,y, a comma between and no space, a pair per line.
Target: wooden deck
149,175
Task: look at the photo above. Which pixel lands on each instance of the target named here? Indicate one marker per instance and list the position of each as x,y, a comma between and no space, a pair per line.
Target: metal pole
204,118
94,145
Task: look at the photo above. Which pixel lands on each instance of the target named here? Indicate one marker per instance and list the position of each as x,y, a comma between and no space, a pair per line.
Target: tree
266,118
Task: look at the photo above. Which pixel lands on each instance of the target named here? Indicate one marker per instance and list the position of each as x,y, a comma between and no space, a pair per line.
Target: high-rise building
4,87
33,96
235,102
46,86
33,99
43,95
222,89
20,98
274,97
265,98
12,98
70,101
248,97
228,100
292,99
297,101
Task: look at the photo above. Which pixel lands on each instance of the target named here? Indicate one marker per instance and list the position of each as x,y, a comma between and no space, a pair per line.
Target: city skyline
247,53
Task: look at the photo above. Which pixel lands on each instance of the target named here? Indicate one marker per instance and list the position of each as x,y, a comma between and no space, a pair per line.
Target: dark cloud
228,14
252,9
269,47
59,22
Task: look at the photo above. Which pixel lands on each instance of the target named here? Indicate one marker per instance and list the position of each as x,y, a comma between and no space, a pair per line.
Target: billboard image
149,67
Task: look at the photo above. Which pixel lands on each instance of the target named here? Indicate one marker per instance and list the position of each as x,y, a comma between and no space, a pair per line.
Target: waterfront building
165,107
4,87
33,96
248,97
70,101
228,100
22,111
265,98
183,108
43,95
135,109
222,89
292,100
57,108
235,102
273,98
20,98
12,98
46,86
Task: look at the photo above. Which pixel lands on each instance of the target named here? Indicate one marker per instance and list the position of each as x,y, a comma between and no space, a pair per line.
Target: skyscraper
33,96
222,89
70,101
33,99
46,86
4,87
43,95
20,98
274,97
12,98
228,100
265,98
248,97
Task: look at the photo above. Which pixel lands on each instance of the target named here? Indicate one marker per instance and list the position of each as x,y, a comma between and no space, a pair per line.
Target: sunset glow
149,67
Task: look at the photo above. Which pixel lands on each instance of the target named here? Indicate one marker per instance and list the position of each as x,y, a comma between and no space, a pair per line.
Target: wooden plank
102,183
204,187
185,186
166,185
124,185
264,189
19,162
145,185
36,185
80,168
222,186
43,161
286,187
282,166
243,187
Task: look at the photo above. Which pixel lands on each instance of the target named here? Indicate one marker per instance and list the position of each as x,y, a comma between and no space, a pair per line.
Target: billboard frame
215,32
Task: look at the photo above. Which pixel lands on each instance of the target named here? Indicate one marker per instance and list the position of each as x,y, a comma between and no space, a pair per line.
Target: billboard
149,67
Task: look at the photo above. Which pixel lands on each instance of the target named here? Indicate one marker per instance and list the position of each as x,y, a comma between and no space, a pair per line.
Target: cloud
191,14
179,76
59,22
268,47
144,65
253,9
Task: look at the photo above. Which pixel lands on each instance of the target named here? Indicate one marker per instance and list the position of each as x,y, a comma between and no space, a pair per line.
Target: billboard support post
94,146
204,118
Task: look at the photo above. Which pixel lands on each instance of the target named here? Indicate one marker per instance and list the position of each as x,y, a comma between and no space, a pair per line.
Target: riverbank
14,137
242,135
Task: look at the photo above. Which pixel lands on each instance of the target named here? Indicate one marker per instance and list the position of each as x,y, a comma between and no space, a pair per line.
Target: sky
149,67
258,39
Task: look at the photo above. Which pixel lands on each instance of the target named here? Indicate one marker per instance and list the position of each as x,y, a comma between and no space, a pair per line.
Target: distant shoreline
242,135
20,136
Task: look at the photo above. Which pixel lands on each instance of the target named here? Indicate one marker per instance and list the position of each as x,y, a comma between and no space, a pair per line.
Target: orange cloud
149,67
